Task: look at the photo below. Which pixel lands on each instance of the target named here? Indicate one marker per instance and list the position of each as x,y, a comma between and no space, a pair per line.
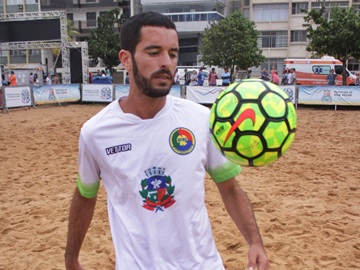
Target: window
103,13
175,18
271,12
272,39
297,7
91,19
321,69
298,36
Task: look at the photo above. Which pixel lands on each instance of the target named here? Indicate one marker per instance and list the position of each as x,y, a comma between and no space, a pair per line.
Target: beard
145,86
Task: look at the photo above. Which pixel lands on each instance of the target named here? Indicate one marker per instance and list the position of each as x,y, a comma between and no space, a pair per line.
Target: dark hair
130,31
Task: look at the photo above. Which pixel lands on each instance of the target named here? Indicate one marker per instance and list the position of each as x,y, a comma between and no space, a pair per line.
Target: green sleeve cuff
225,172
87,191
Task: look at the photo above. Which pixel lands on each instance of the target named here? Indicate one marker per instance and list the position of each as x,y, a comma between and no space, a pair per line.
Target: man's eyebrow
150,47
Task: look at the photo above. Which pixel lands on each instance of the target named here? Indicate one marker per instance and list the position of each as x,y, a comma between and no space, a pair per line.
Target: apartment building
281,34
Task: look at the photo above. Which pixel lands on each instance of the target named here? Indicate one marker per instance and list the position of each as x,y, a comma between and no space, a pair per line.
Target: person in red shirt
12,79
274,77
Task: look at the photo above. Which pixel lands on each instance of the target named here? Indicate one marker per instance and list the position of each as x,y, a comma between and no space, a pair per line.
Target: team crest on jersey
182,141
157,190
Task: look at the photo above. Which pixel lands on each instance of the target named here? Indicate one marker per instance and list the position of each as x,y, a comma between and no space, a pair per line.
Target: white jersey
153,171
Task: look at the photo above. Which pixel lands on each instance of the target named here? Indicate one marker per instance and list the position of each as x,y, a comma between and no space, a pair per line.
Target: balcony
184,21
85,27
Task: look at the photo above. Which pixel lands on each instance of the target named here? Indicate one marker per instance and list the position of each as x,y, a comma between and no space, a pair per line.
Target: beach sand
307,204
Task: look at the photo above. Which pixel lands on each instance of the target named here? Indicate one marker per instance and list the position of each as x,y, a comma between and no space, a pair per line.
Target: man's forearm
81,214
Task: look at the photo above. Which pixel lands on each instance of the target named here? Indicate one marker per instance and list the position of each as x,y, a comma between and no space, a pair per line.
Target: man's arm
239,208
80,216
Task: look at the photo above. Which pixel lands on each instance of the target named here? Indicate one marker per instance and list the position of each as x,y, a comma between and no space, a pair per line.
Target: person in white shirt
48,80
152,155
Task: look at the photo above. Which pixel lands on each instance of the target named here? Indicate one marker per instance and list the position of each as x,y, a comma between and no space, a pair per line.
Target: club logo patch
157,190
182,141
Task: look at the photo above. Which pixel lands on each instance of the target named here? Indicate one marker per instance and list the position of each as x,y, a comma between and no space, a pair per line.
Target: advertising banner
97,93
123,90
202,94
290,90
329,95
17,96
57,93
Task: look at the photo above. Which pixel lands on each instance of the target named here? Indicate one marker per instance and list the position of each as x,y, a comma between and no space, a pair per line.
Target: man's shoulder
96,121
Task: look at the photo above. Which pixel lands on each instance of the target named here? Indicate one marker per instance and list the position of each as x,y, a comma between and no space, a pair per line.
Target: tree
104,42
336,35
231,42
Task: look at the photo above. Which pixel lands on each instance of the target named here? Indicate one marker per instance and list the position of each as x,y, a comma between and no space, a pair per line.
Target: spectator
200,77
274,77
357,78
187,75
36,80
31,78
284,79
48,80
193,78
330,78
265,75
176,77
12,79
127,78
226,77
212,77
56,79
249,73
291,77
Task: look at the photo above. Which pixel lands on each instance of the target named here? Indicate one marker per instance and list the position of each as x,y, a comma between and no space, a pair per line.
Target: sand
307,204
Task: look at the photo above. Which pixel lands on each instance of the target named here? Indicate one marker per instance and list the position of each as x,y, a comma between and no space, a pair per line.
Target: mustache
162,71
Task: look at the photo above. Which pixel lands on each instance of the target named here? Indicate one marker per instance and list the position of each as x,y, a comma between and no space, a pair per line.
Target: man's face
155,60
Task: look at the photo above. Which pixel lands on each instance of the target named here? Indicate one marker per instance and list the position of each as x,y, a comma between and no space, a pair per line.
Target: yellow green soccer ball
253,122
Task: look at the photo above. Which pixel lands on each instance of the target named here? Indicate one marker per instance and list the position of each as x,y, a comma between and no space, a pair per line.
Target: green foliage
104,41
231,42
336,36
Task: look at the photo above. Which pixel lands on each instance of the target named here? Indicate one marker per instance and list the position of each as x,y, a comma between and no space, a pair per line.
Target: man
31,78
200,77
12,79
152,154
225,77
291,77
265,75
330,78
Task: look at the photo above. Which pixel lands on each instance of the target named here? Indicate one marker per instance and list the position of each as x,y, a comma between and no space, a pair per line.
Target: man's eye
153,53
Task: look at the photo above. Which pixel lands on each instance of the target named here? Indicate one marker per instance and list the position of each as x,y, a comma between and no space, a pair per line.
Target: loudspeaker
76,66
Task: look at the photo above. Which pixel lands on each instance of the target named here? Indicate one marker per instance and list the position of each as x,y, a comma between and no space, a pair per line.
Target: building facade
281,34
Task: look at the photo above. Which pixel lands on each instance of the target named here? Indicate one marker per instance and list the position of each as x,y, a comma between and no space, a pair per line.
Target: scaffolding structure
63,43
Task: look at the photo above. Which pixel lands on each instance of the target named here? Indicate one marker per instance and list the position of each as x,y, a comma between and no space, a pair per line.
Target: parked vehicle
315,71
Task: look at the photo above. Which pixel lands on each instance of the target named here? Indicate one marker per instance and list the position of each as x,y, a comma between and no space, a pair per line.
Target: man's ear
125,59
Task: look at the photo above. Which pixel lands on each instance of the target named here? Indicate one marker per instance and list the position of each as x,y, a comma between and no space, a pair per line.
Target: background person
200,77
156,202
330,78
193,78
12,79
225,77
212,77
264,75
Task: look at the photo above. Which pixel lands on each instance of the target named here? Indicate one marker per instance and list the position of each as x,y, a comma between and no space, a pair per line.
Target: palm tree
70,33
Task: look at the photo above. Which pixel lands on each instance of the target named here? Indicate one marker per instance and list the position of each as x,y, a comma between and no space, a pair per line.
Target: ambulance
315,71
